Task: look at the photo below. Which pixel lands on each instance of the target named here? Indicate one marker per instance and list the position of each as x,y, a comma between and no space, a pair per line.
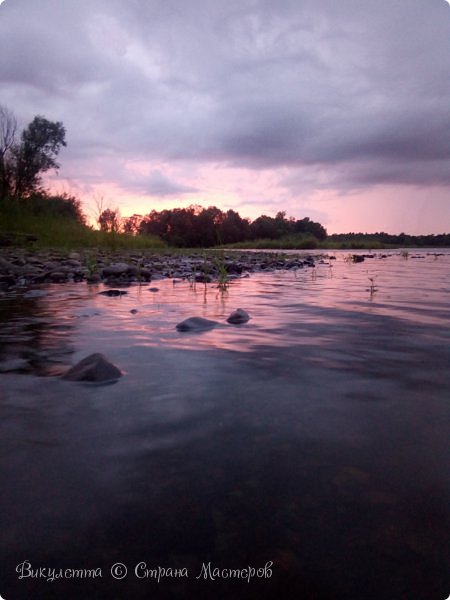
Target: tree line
195,226
382,239
26,157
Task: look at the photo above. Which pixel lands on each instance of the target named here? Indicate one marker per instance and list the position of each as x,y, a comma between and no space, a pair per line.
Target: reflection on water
314,436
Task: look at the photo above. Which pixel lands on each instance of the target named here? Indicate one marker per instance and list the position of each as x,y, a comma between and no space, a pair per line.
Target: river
302,455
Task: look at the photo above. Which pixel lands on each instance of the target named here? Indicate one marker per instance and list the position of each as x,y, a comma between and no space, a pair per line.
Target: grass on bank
287,242
309,242
17,220
356,244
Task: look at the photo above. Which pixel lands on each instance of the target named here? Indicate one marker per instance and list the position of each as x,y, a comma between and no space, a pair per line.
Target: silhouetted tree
131,225
307,226
233,228
264,227
109,220
36,154
8,129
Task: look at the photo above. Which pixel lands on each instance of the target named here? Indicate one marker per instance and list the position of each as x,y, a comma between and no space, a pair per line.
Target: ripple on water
314,436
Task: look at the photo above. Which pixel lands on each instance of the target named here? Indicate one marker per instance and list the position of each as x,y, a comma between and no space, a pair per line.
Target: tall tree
8,130
36,154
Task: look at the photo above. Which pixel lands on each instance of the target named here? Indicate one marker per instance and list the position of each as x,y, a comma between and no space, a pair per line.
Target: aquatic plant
91,264
139,271
372,288
222,274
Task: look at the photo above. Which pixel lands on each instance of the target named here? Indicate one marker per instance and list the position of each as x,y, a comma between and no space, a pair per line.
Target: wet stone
35,294
115,269
13,365
112,293
95,368
196,324
238,316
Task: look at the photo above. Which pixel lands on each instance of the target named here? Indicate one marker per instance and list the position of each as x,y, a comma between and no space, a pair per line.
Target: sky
335,110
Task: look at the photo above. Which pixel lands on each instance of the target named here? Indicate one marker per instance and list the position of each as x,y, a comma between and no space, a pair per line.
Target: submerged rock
35,294
196,324
238,316
95,368
14,364
113,293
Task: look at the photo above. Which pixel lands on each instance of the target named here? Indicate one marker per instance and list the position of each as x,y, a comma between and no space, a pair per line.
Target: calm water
314,437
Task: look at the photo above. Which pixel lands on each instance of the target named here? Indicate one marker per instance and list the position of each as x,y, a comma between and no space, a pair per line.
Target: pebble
238,316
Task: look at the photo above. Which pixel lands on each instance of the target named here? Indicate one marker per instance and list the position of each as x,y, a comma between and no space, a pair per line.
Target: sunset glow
334,111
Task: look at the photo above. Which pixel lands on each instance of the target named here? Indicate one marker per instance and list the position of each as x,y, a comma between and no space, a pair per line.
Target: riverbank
19,266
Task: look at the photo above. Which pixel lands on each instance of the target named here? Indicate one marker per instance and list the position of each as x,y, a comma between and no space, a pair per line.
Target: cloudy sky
333,109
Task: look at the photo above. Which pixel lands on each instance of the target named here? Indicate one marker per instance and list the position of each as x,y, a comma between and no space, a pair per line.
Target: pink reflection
302,308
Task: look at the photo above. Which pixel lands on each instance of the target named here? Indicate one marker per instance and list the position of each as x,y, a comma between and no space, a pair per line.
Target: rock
7,280
196,324
35,294
133,311
153,289
14,364
358,258
113,293
5,265
115,269
95,368
234,267
202,278
238,316
95,278
58,276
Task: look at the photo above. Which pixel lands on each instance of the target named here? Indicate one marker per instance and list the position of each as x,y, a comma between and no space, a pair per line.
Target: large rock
196,324
238,316
115,269
95,368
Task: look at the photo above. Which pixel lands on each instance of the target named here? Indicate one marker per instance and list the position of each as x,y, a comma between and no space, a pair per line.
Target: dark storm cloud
360,89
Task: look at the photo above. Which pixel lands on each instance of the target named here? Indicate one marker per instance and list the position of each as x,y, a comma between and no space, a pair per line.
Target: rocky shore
22,267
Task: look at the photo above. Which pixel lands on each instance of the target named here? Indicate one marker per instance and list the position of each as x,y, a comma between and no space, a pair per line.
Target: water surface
314,437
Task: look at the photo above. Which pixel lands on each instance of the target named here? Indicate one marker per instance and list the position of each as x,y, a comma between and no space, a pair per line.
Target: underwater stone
113,293
196,324
13,364
94,368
